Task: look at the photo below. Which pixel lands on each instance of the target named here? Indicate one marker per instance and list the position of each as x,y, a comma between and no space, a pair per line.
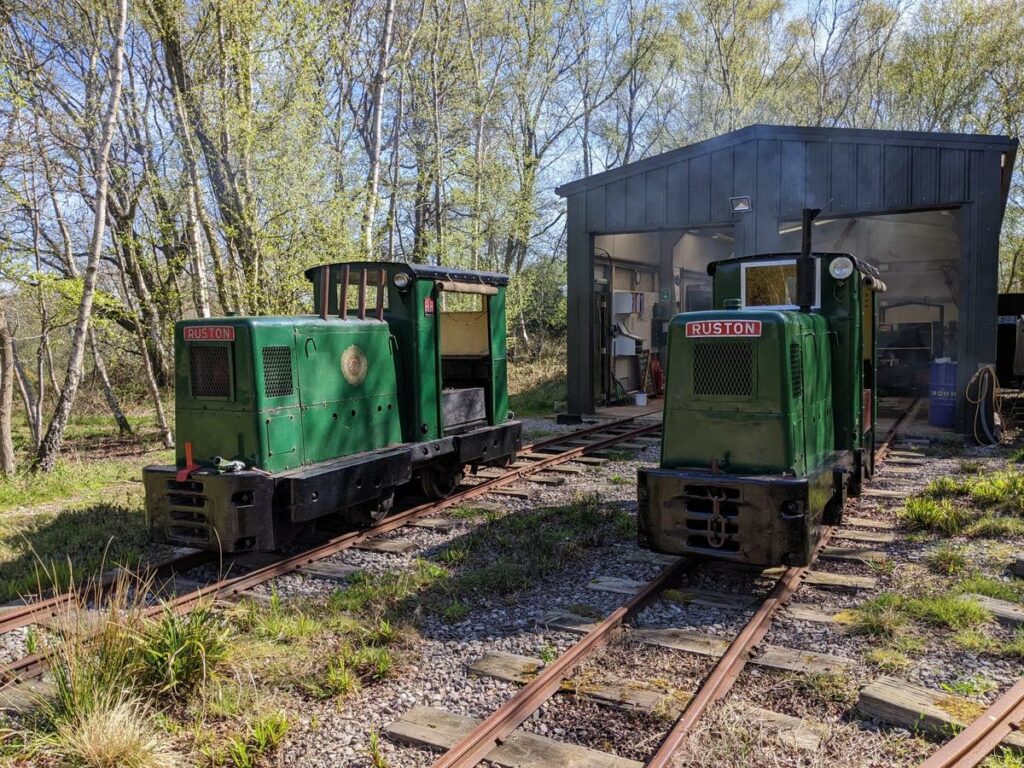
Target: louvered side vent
723,369
209,369
277,371
796,370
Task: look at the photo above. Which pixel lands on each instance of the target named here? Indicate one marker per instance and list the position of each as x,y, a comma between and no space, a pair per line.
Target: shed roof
922,139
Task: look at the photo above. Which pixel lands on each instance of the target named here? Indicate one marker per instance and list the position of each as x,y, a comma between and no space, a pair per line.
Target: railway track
530,460
494,730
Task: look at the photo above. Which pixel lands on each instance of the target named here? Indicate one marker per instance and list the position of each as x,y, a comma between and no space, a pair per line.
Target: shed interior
641,279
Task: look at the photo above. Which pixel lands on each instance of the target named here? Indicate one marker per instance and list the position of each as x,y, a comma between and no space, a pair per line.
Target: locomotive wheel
439,482
504,461
375,511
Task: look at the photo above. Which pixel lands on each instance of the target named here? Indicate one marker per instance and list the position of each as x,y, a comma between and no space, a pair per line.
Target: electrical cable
986,386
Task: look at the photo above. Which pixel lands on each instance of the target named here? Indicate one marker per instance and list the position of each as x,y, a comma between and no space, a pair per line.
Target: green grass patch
946,487
825,687
970,467
619,480
947,559
993,527
536,386
882,616
935,515
276,621
950,611
1003,491
888,659
73,478
990,587
975,685
976,640
57,549
1004,758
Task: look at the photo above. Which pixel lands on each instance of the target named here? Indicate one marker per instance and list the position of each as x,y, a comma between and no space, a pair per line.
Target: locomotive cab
283,420
769,410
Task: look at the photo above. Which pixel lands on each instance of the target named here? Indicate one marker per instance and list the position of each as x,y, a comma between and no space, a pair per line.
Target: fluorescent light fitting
740,204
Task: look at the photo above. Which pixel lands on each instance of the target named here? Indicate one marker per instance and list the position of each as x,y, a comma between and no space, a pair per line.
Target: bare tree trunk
49,447
373,177
108,391
25,387
8,463
154,390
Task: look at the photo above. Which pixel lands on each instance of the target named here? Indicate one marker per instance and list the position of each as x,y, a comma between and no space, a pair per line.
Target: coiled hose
986,388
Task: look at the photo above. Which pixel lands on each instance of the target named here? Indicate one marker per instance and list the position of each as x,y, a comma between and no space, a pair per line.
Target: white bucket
640,398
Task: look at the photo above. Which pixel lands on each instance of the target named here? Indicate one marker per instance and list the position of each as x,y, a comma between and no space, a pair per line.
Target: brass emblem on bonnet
353,365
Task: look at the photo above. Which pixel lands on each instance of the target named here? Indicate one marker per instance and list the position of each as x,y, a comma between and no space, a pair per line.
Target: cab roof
420,271
861,266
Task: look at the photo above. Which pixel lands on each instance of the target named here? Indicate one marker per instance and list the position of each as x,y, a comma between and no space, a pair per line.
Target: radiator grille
723,368
796,370
209,368
277,371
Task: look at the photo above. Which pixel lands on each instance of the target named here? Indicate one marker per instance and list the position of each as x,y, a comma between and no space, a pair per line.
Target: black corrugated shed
845,172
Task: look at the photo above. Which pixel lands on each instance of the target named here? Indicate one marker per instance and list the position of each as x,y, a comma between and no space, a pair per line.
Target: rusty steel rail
735,658
976,741
34,664
514,712
24,615
732,662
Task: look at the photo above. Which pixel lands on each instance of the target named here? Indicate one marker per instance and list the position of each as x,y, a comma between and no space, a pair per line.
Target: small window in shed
772,284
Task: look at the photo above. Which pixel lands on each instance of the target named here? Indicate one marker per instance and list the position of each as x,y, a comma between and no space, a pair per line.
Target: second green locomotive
769,416
283,420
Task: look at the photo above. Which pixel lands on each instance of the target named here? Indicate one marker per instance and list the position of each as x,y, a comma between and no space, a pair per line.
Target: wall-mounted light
740,204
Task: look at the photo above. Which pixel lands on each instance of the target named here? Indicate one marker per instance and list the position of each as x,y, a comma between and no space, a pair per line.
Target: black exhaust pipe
806,274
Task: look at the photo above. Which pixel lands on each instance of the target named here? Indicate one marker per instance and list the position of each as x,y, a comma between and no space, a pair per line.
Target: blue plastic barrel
942,394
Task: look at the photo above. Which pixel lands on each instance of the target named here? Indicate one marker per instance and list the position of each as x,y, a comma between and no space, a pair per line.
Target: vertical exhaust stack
806,274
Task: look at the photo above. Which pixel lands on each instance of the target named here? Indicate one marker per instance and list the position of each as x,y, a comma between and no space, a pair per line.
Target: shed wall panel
896,175
869,176
615,210
817,176
843,171
677,178
595,206
791,179
721,184
699,190
925,176
636,201
655,197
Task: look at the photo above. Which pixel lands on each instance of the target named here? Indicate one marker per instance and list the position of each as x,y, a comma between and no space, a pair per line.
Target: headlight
401,280
841,268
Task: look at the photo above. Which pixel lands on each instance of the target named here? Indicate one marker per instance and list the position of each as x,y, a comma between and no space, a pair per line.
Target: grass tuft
881,616
941,516
951,611
178,653
990,587
118,733
947,559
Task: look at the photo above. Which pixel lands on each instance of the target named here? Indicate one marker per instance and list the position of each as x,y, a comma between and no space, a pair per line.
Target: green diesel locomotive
398,376
769,415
